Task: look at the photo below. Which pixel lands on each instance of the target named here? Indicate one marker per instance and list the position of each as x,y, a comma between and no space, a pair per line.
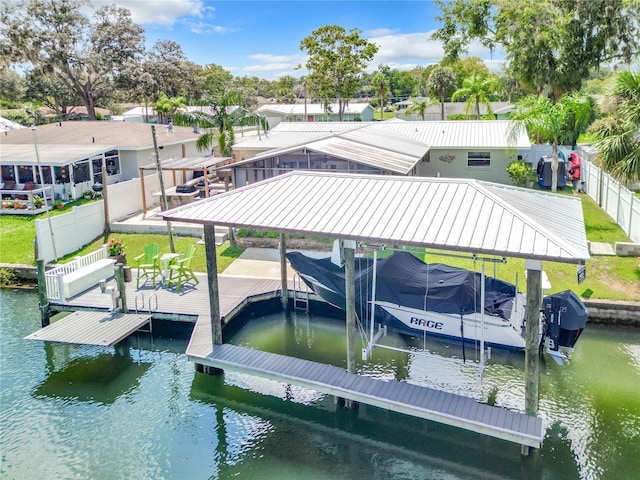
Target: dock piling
43,298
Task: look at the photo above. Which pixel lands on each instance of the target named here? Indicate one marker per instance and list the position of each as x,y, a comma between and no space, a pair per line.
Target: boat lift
374,337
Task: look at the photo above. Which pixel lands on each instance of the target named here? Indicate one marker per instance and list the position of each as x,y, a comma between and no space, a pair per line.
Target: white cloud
268,67
160,12
267,57
406,51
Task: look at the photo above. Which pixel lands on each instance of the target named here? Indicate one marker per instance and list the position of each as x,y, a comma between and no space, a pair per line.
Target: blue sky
262,38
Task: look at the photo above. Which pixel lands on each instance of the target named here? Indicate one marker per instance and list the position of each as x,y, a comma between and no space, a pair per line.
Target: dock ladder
300,294
152,307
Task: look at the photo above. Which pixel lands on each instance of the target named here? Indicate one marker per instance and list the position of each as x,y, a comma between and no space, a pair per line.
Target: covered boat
416,298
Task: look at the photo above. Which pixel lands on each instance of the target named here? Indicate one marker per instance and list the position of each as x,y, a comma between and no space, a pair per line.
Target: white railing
53,278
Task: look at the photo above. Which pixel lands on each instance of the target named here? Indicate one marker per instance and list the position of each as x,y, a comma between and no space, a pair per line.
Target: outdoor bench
86,277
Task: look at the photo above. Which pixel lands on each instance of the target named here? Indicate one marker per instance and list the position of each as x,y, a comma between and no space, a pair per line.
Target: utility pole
165,206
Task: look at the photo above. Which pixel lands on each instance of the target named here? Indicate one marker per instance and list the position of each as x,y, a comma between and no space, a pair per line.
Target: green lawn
615,278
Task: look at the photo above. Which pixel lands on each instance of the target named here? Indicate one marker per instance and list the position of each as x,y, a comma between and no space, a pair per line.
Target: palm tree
618,136
476,90
169,106
226,112
549,122
420,107
381,88
441,83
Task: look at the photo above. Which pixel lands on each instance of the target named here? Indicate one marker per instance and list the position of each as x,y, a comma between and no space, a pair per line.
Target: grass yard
134,246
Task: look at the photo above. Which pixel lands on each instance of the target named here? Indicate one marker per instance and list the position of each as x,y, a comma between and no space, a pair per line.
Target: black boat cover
403,279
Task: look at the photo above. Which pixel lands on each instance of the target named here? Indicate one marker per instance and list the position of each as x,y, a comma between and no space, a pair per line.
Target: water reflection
101,378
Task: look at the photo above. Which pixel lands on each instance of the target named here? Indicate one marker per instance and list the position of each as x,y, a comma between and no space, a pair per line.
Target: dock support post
283,272
122,290
532,340
212,278
43,298
350,308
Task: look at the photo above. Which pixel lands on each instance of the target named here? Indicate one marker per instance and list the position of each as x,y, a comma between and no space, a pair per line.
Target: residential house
434,112
71,154
462,149
315,112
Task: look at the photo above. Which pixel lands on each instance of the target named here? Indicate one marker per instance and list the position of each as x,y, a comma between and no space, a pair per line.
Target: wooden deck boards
91,328
407,398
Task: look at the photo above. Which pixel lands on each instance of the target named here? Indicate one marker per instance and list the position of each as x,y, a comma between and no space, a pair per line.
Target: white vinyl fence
85,223
618,201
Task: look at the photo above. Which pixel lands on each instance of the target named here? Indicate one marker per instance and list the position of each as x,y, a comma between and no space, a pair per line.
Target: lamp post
44,194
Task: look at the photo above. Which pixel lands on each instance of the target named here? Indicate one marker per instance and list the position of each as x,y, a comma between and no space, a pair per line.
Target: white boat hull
497,331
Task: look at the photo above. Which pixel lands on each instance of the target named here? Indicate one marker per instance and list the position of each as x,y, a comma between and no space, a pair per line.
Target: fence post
631,216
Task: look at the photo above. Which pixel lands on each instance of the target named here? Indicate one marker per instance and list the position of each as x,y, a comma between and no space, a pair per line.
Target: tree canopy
55,39
336,61
548,122
618,134
551,45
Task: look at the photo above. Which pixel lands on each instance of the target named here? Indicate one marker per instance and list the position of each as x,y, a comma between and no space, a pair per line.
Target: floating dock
92,328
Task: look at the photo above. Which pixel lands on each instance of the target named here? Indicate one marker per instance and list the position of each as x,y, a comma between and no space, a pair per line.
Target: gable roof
452,214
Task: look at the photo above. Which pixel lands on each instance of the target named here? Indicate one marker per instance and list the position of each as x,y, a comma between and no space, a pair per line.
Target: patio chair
181,269
148,263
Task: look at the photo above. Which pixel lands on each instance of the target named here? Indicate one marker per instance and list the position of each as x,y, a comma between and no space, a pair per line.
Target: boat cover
403,279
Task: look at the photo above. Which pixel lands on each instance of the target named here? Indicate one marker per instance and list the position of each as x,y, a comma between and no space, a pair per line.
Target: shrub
7,277
521,173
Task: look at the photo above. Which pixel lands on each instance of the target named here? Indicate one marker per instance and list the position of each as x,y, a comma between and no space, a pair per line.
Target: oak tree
336,61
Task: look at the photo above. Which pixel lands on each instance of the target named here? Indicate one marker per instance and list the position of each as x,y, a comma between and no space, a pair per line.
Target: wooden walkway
92,328
407,398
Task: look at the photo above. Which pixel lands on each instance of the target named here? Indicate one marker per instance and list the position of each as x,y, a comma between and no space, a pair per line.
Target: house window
478,159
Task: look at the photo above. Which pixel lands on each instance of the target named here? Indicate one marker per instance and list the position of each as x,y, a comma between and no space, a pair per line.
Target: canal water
83,412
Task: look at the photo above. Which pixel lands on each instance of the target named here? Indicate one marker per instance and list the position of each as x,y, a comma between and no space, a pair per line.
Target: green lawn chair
181,269
148,263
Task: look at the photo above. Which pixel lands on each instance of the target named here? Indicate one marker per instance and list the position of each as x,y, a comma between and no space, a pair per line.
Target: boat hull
495,332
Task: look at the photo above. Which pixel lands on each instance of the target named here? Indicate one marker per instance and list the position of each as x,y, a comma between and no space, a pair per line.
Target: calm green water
79,412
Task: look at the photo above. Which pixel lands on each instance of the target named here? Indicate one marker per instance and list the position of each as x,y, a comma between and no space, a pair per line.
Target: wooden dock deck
92,328
407,398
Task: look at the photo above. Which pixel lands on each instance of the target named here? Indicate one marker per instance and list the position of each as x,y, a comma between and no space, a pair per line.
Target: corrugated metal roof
312,108
375,147
451,214
192,163
271,141
367,155
463,134
448,134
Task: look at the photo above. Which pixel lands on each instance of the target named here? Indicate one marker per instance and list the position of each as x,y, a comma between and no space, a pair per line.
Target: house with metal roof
71,154
456,149
434,111
314,112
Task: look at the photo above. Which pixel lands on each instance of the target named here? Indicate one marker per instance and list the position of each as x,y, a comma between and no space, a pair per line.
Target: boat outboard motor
565,318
